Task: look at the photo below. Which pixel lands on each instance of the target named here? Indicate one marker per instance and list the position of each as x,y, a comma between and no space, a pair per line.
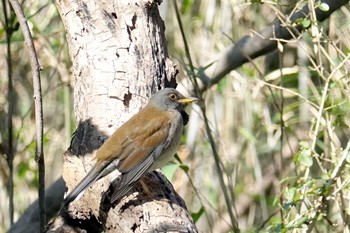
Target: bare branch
250,47
10,99
39,156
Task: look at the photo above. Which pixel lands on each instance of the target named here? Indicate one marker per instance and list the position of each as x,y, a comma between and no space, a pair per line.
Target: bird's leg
153,186
145,183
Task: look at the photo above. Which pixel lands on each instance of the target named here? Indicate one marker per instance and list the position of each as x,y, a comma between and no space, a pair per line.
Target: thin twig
336,171
39,154
261,44
320,111
288,90
10,99
218,163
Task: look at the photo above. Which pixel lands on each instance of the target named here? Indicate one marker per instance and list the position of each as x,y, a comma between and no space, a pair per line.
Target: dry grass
280,123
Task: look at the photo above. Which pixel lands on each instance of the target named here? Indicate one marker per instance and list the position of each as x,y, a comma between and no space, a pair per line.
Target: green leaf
305,23
2,32
196,216
301,221
186,6
177,158
304,144
319,217
184,167
169,170
324,7
306,159
276,225
278,228
250,137
288,205
289,193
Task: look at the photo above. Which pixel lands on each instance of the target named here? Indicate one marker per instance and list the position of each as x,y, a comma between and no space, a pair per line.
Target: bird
144,143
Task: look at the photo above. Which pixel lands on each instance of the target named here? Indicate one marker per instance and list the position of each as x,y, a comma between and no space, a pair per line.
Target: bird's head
169,98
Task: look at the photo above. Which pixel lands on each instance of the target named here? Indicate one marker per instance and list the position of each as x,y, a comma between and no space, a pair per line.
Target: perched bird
144,143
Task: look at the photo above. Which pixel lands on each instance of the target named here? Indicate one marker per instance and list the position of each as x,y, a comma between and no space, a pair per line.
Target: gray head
169,98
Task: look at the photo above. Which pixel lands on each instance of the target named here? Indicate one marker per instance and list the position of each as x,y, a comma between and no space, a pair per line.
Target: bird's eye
172,97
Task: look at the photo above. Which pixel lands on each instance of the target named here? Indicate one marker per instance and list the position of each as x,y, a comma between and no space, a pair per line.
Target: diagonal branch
250,47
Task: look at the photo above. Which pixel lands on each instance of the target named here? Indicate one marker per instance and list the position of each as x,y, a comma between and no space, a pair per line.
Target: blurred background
279,124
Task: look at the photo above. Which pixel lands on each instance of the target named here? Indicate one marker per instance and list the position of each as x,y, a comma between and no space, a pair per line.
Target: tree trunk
119,58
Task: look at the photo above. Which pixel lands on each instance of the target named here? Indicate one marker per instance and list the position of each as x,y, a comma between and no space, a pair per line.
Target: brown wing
135,140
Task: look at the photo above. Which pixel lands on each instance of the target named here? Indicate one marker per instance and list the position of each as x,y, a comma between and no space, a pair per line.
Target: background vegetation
280,123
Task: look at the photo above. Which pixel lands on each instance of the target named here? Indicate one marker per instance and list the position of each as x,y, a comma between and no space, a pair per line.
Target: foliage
48,33
280,123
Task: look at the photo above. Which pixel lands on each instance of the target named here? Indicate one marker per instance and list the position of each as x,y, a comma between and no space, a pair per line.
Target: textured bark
119,58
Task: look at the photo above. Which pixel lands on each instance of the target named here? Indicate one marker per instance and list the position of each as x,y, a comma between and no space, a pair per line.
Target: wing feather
135,145
129,179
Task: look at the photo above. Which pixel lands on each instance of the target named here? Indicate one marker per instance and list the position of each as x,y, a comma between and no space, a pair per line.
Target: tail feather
93,175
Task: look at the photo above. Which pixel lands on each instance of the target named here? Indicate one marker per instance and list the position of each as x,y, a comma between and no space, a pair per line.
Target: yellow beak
188,100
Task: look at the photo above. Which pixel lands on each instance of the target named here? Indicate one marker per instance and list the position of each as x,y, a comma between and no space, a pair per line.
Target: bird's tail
96,172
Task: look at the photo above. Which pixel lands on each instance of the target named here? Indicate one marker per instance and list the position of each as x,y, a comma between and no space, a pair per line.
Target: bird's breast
172,142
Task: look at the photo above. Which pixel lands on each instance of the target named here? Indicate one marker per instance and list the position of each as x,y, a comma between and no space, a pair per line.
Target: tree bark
119,58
